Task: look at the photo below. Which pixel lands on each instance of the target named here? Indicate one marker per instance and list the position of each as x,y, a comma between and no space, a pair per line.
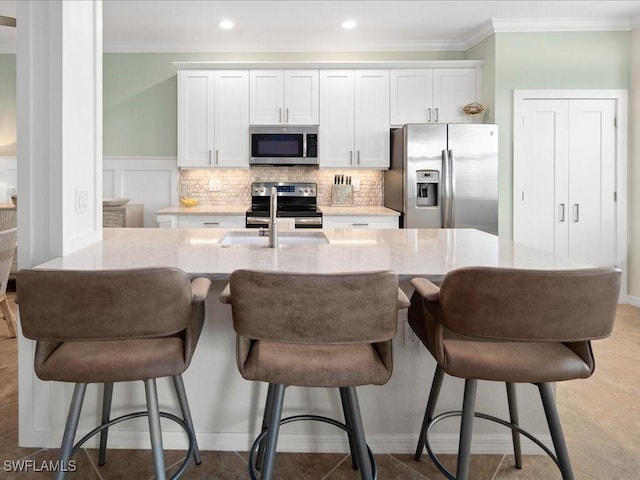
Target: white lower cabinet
359,221
201,221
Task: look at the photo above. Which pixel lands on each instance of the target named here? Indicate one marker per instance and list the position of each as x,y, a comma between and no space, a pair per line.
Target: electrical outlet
82,201
410,337
215,185
356,184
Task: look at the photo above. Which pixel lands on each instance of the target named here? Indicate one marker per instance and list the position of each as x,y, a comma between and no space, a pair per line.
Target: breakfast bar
227,409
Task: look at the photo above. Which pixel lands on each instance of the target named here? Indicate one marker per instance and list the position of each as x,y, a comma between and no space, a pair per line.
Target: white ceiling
314,25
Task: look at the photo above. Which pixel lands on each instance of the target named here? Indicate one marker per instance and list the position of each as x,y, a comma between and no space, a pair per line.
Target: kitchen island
227,409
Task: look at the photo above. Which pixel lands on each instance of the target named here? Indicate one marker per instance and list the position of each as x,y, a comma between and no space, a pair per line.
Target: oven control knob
262,189
300,189
306,191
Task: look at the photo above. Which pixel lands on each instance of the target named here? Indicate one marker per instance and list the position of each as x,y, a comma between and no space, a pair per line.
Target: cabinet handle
209,157
358,157
280,115
211,224
562,212
577,208
286,118
216,157
350,157
359,224
437,114
429,111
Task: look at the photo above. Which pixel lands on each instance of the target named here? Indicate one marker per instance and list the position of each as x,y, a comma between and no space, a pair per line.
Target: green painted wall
140,108
552,61
486,51
7,105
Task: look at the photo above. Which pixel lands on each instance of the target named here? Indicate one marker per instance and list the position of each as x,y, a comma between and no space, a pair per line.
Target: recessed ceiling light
226,24
349,24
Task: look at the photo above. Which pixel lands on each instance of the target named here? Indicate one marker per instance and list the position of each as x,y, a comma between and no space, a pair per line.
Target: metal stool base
484,416
130,416
296,418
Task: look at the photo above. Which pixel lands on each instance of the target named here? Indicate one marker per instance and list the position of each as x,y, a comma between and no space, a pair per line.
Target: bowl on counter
114,202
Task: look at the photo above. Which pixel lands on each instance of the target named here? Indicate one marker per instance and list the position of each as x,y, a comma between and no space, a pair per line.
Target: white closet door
592,184
565,178
540,156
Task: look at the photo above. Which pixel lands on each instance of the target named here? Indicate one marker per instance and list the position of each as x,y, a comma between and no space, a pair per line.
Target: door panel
592,181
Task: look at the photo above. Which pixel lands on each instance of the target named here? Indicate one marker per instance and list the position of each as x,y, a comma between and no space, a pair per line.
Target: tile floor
601,420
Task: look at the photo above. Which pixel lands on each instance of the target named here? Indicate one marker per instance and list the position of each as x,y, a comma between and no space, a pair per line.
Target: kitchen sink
252,237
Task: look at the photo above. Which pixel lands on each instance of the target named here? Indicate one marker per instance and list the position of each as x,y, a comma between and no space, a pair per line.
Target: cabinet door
300,97
337,113
359,221
211,221
195,118
231,119
453,88
371,121
411,96
266,97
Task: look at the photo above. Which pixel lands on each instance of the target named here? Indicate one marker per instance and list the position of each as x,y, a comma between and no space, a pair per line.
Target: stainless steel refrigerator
444,175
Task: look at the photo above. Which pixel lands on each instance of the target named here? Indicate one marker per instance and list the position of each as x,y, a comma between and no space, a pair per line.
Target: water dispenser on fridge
427,182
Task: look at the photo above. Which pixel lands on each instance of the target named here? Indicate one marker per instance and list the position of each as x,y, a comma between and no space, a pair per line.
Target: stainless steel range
296,200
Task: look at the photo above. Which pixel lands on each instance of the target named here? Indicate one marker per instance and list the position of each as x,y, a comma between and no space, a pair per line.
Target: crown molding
532,25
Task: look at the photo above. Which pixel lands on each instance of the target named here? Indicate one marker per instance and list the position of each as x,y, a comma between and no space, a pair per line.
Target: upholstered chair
513,326
113,326
314,330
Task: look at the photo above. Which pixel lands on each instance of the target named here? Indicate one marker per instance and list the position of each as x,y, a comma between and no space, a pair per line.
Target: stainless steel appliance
444,175
283,145
296,200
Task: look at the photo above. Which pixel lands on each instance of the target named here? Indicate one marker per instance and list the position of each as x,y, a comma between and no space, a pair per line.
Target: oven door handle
257,221
308,221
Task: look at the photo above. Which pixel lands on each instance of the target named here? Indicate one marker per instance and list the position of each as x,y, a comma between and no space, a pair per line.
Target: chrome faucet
272,231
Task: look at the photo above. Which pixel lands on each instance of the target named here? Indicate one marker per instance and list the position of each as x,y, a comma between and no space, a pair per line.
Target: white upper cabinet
354,114
284,97
213,118
432,95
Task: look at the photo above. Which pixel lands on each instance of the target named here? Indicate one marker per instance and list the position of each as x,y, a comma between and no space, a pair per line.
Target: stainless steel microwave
283,145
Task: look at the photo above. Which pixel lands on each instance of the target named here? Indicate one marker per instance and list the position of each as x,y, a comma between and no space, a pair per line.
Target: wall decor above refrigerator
444,176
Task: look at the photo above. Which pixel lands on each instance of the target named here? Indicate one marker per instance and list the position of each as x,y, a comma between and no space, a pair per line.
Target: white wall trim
622,145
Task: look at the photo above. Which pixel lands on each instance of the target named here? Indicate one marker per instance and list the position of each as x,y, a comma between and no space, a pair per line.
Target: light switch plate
82,201
356,184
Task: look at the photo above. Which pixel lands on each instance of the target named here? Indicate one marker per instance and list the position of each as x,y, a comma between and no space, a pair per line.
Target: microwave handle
304,145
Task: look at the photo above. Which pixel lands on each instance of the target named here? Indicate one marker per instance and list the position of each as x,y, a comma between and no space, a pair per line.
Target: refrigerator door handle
452,191
444,183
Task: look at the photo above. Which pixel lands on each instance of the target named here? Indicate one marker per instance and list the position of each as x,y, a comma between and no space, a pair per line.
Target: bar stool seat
320,330
324,366
111,326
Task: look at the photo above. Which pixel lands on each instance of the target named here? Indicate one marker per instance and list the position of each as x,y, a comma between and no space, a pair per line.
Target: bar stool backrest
356,307
530,305
77,305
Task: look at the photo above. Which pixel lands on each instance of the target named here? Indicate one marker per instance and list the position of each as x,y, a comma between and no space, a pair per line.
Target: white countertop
374,211
241,209
408,252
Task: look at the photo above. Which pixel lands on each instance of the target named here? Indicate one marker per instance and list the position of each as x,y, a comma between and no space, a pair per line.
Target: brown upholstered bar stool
512,326
114,326
321,330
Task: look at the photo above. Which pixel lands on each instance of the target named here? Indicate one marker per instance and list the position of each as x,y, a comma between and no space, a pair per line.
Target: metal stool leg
436,385
551,412
513,418
349,423
186,414
70,429
155,429
274,428
466,429
358,433
266,420
107,395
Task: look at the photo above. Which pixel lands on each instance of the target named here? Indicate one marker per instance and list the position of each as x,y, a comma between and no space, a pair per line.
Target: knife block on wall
342,196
